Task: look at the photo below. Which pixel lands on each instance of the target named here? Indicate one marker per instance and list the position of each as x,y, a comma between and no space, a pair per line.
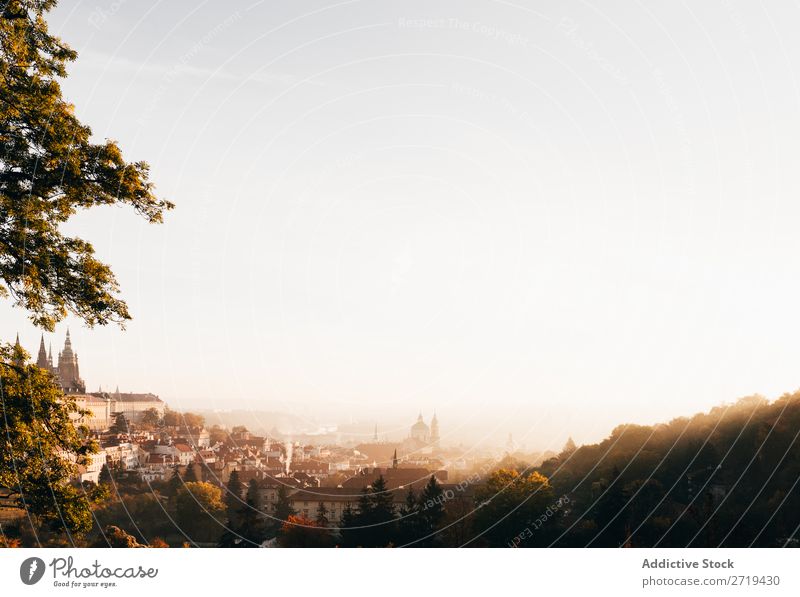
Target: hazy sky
545,218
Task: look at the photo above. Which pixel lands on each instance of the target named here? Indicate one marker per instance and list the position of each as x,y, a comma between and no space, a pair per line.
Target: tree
253,494
283,508
113,536
346,524
509,505
253,529
355,524
199,508
299,531
408,521
139,514
233,498
247,526
174,483
190,474
120,424
382,507
217,435
431,512
105,478
457,524
192,421
37,428
322,515
171,418
610,512
150,419
50,170
372,525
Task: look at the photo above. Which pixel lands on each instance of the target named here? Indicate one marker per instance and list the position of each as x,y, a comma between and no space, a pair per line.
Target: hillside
727,477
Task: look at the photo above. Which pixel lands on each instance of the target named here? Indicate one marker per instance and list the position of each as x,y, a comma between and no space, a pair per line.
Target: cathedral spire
394,459
68,370
18,360
41,359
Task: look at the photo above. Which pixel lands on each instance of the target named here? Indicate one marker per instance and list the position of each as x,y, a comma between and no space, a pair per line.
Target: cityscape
141,442
163,478
397,275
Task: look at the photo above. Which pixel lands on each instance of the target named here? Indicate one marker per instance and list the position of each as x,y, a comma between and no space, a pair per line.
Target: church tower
68,371
435,431
18,350
41,359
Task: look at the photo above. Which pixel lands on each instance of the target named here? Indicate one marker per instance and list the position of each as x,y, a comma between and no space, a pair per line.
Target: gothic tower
18,360
41,359
68,371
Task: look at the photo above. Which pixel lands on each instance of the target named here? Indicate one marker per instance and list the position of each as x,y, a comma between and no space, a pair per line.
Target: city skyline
387,275
527,220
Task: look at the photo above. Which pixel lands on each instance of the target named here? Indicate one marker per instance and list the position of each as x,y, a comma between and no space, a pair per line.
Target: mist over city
399,275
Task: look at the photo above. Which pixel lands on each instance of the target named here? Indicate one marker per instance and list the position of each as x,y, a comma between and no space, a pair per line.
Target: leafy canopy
38,433
49,170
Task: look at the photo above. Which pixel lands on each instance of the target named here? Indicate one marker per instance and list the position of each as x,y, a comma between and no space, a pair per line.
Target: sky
537,218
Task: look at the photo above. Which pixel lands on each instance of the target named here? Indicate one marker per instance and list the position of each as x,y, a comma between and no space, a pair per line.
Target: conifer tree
105,478
283,509
120,424
347,524
233,498
373,524
322,515
174,483
431,512
408,522
190,474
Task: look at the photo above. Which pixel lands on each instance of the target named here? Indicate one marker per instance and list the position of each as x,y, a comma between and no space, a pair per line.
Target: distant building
66,371
394,477
101,405
132,405
420,431
434,440
422,439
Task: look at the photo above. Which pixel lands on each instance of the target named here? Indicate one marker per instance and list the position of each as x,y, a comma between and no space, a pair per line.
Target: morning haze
526,219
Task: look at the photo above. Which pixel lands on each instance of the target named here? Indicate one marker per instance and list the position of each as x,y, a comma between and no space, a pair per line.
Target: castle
102,406
67,371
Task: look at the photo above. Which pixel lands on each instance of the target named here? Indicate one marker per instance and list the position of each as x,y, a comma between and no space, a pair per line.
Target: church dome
420,426
420,431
